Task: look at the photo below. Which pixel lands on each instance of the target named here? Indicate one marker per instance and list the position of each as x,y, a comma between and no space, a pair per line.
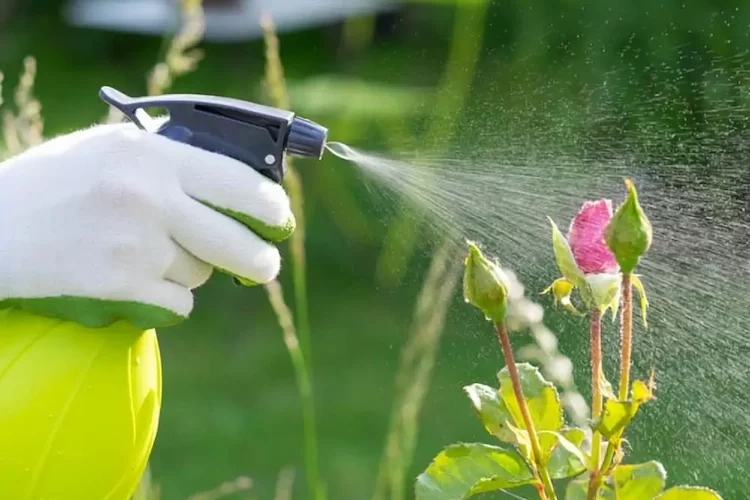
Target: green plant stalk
300,349
626,339
452,92
536,449
304,384
181,56
597,399
276,84
626,335
417,362
293,186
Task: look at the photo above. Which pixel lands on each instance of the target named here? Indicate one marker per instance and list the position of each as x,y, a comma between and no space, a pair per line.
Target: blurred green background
433,74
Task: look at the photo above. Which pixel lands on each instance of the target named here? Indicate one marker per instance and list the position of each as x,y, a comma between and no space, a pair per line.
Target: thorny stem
597,401
536,449
595,331
626,335
626,339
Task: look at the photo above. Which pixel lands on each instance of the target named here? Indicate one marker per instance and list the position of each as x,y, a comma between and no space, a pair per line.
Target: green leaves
689,493
628,482
635,482
501,415
567,458
615,417
463,470
644,481
540,395
618,414
629,232
491,410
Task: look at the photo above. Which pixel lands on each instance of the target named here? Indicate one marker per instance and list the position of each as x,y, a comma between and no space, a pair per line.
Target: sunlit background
658,82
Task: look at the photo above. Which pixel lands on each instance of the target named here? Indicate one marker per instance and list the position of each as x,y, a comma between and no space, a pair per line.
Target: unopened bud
628,234
485,285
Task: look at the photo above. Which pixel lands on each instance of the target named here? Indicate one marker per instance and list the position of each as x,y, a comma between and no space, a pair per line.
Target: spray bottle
91,433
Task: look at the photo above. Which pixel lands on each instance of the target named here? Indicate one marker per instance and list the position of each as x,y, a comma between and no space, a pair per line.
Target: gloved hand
113,223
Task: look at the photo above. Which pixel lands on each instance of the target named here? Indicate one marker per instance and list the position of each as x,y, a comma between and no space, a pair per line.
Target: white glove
114,223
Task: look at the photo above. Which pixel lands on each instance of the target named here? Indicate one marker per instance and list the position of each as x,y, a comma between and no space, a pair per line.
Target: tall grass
180,58
415,370
23,128
296,339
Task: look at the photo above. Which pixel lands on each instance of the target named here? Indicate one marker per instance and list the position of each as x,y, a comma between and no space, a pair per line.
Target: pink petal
586,238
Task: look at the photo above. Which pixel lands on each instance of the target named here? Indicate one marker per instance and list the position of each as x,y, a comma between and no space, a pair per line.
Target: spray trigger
258,136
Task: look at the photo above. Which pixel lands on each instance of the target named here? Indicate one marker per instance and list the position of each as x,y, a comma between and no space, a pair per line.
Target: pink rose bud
586,238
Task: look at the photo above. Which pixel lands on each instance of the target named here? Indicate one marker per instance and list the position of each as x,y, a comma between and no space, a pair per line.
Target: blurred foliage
577,73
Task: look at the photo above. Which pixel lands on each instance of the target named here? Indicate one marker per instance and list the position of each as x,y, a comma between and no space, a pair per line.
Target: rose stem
626,335
597,401
502,335
595,332
626,346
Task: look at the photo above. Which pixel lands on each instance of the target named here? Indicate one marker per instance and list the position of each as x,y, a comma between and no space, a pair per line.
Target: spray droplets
342,151
695,270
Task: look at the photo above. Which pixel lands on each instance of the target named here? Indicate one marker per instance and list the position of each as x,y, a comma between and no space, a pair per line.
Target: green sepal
562,289
636,281
566,263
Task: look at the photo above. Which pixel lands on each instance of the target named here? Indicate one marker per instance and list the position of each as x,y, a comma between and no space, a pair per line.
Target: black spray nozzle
256,135
306,139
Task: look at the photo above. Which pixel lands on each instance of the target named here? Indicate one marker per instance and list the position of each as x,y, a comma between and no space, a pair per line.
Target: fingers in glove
223,242
238,191
166,295
187,270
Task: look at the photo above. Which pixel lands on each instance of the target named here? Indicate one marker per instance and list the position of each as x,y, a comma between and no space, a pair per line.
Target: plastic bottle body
79,408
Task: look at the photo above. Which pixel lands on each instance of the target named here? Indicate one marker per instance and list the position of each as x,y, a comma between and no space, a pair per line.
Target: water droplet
138,361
